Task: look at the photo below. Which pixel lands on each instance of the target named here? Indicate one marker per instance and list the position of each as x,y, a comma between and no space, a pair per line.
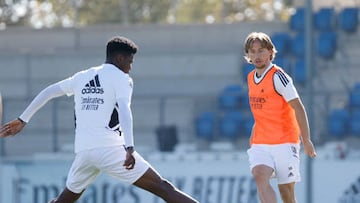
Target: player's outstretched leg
154,183
66,197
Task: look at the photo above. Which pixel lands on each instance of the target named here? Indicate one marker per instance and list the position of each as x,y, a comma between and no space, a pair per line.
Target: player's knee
261,179
286,191
261,173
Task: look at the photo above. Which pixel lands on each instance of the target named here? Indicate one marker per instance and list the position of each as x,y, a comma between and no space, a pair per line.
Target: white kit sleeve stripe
282,77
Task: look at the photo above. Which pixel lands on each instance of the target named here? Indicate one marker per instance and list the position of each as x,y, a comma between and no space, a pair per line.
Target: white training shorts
283,158
89,163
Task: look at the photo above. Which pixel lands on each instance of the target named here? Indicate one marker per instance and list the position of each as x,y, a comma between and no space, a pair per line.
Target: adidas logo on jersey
93,87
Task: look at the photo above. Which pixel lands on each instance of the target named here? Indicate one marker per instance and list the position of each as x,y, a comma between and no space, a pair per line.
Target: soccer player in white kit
104,127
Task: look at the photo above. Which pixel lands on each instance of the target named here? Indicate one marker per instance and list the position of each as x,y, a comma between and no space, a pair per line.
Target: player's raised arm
15,126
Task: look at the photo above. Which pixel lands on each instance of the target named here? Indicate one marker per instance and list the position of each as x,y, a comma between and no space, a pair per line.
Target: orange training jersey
275,121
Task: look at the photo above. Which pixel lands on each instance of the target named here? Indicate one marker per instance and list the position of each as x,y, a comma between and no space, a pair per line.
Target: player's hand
11,128
309,148
130,160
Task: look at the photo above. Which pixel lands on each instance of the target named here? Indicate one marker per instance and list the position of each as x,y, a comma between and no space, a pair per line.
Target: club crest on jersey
93,87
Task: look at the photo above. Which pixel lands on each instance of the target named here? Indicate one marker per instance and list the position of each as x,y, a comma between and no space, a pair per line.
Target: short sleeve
284,85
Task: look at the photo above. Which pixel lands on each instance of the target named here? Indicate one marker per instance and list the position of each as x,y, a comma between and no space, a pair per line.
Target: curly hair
119,44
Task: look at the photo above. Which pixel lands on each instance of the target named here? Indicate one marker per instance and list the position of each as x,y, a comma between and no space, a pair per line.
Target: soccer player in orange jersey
280,122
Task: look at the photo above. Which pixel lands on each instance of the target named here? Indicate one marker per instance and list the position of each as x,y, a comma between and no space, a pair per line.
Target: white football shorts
283,158
88,164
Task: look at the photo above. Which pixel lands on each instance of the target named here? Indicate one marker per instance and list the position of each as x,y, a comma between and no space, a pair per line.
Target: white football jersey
96,92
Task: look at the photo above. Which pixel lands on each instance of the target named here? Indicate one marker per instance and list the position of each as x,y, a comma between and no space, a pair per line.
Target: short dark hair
119,44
